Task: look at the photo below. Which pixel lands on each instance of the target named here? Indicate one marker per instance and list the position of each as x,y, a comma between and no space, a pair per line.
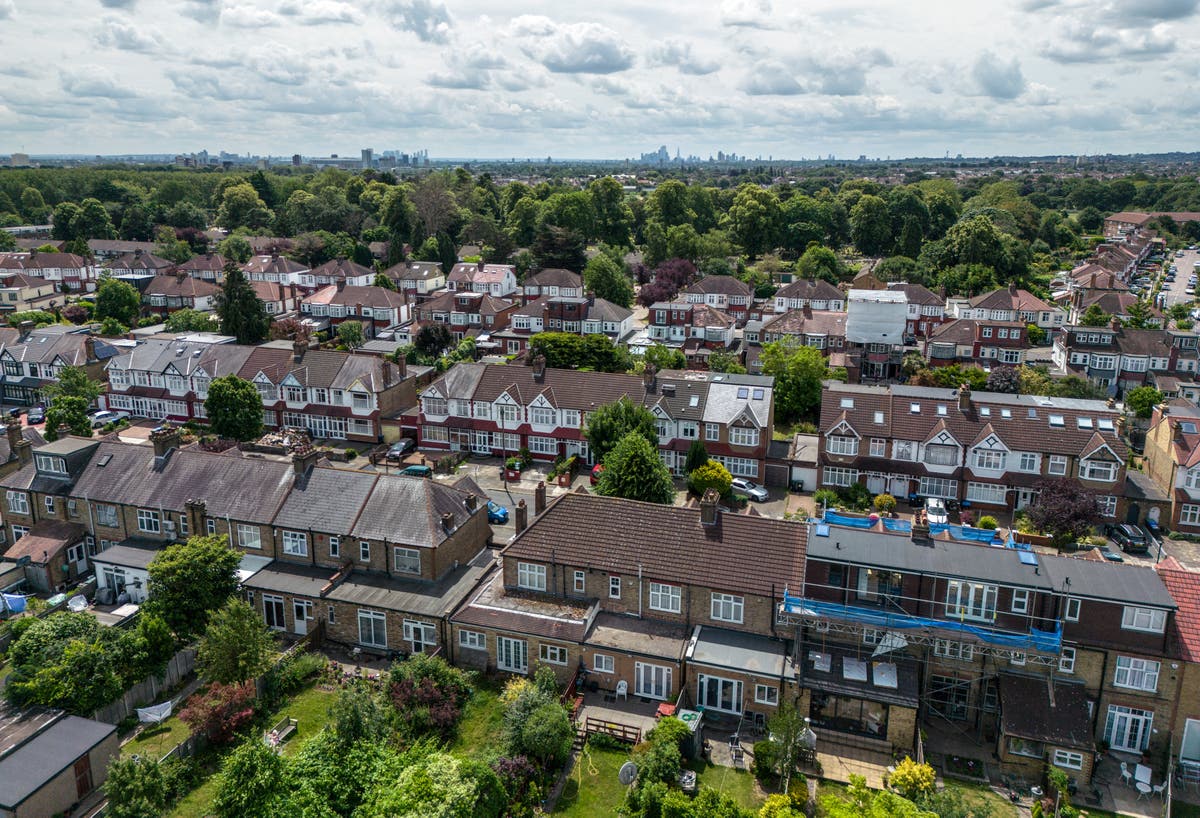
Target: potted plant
512,469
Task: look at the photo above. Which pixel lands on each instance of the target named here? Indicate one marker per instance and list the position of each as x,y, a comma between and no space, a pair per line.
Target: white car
104,417
935,510
749,488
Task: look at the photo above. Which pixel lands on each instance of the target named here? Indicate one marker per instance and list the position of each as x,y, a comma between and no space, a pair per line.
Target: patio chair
622,689
1126,775
1159,790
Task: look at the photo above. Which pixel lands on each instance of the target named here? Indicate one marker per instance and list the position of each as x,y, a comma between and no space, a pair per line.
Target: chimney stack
387,373
165,438
964,397
539,498
402,366
89,349
521,522
12,427
708,507
304,458
479,266
1012,287
1115,323
472,502
447,522
299,347
26,327
24,450
197,513
539,367
649,377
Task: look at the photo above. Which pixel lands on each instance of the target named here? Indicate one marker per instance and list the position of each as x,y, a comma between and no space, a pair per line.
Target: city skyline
501,80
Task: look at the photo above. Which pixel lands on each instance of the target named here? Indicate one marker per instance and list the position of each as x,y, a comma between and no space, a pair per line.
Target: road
1175,291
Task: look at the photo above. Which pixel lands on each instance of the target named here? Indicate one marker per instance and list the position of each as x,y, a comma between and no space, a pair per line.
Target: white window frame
952,649
295,543
48,501
843,445
745,436
727,608
531,576
712,431
838,476
1057,465
377,619
1147,620
603,663
1066,660
1068,760
766,694
106,515
335,547
509,649
18,502
364,551
249,536
666,598
614,587
1020,600
975,601
472,640
148,521
558,652
402,560
580,582
419,635
1189,514
1074,606
1133,673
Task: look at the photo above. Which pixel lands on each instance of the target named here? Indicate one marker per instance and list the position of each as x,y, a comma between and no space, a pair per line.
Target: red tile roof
1184,587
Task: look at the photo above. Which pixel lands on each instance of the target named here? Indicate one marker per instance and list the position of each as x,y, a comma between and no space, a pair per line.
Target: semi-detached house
496,410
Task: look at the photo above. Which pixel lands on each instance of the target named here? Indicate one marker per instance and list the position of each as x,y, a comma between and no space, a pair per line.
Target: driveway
1175,290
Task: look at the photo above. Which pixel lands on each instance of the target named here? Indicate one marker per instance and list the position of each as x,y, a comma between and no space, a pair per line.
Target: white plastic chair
622,689
1158,789
1126,775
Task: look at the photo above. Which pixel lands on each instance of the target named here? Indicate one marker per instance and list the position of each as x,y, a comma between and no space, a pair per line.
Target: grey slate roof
327,500
408,510
433,599
41,759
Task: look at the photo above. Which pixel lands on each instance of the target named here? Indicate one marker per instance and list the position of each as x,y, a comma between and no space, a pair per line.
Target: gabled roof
1010,298
807,322
918,294
139,262
276,264
1184,587
554,277
480,273
352,296
181,286
414,271
723,285
740,553
206,262
342,268
409,511
811,290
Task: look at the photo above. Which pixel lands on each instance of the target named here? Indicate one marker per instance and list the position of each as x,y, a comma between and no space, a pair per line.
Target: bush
535,724
428,694
669,729
827,498
289,675
220,712
885,503
766,760
519,776
711,475
856,496
603,741
657,761
988,522
912,780
351,454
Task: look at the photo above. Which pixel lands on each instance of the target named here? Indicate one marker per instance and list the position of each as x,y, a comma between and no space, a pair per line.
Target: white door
652,681
1128,729
1025,497
512,654
875,483
302,612
481,443
899,487
716,693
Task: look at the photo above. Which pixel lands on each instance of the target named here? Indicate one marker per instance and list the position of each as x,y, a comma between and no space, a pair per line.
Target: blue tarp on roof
1045,641
834,518
897,525
966,533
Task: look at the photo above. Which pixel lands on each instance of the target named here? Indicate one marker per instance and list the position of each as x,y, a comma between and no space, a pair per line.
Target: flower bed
964,767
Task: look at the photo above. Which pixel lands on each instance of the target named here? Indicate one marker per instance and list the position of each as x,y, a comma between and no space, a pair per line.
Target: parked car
401,447
103,418
935,510
417,471
1131,539
597,470
497,514
751,489
1110,555
37,414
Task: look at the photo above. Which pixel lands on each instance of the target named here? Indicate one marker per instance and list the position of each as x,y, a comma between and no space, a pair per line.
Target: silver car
749,488
935,510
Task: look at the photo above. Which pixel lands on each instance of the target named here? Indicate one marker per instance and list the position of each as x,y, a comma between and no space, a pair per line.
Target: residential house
165,294
498,280
824,330
987,449
977,342
337,272
724,293
52,761
167,378
139,264
667,600
32,358
1172,452
696,328
20,292
376,308
926,309
1119,358
277,299
418,280
875,325
1013,304
107,249
276,269
574,314
553,282
1184,587
207,266
467,313
495,410
816,294
1115,303
1119,224
66,271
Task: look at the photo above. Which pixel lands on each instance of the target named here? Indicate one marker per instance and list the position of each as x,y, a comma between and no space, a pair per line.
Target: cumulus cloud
248,16
843,74
771,78
124,36
1083,41
998,78
429,19
746,13
684,56
93,81
1135,12
320,12
117,4
470,67
572,48
8,9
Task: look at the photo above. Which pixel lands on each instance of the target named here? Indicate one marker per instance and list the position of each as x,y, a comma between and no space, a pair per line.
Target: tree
871,226
438,785
1063,509
670,277
607,280
189,320
1035,334
252,783
70,411
190,580
241,312
559,247
819,262
350,334
613,216
613,421
1004,379
633,470
798,371
862,802
1094,316
721,361
383,281
754,219
1089,219
118,300
664,357
234,408
357,715
63,221
697,456
236,645
33,206
236,249
92,222
241,206
914,781
711,475
137,223
135,788
1142,400
432,339
73,381
170,246
1139,315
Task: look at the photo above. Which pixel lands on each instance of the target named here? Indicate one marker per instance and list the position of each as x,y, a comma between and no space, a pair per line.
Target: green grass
482,722
1181,810
739,785
593,788
158,739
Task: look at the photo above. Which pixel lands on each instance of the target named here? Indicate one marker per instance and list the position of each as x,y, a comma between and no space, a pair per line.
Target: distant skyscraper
368,156
296,159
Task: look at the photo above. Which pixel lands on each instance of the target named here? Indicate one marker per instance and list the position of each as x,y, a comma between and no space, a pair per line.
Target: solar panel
1027,557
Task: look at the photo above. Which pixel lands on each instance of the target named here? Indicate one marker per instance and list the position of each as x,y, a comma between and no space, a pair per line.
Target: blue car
497,514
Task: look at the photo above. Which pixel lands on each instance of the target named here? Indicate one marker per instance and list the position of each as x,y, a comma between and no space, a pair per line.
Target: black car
401,447
37,414
1131,539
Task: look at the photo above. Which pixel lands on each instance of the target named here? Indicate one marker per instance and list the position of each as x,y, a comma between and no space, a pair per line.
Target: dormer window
47,464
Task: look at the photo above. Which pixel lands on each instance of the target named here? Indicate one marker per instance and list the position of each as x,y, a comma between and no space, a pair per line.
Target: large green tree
74,381
633,470
234,408
236,645
189,320
613,421
798,371
871,226
188,581
241,312
607,280
252,783
70,411
613,215
241,206
754,219
135,788
118,300
819,262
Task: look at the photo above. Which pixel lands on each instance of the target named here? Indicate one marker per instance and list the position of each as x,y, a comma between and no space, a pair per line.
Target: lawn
481,724
737,784
973,795
593,788
157,739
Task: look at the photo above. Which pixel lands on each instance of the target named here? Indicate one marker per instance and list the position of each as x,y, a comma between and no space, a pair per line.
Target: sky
600,79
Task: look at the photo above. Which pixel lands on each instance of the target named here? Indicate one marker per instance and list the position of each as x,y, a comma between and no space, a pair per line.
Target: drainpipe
639,590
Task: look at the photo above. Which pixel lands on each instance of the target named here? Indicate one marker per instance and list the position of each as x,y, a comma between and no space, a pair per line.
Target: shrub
351,454
669,729
657,761
603,741
827,498
289,675
711,475
988,522
912,780
766,759
428,694
885,503
856,496
135,788
519,776
220,712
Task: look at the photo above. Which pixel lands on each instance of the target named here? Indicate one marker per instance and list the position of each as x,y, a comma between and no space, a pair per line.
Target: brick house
277,299
697,329
559,313
418,280
1013,304
139,264
816,294
338,272
1172,452
165,294
209,267
1119,358
275,268
926,309
66,271
1184,587
498,280
32,358
467,312
977,342
724,293
493,409
552,282
376,308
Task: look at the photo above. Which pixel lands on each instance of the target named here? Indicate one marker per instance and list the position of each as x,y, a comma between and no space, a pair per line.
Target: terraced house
988,450
496,410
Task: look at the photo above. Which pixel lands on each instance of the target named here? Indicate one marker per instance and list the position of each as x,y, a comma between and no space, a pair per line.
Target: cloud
117,4
572,48
1084,42
320,12
996,78
842,74
124,36
682,55
280,64
8,9
771,78
471,67
248,16
746,13
93,81
204,11
1148,12
430,20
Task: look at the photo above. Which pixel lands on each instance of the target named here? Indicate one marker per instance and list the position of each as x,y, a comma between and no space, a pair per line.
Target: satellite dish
627,773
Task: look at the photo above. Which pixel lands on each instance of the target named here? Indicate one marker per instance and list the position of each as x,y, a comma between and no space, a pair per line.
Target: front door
899,487
302,612
1025,497
1128,729
875,483
652,681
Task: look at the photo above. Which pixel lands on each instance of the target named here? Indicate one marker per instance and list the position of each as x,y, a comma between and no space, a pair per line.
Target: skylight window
1106,425
1006,413
847,403
1084,423
985,411
743,392
694,400
879,418
1187,427
1057,420
915,408
941,410
758,394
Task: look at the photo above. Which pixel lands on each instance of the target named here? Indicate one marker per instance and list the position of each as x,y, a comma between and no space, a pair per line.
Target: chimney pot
304,457
539,367
708,507
539,498
964,397
471,502
521,521
165,438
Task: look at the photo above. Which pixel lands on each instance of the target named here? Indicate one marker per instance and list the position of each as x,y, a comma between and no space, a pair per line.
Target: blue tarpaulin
13,603
850,522
1045,641
897,525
